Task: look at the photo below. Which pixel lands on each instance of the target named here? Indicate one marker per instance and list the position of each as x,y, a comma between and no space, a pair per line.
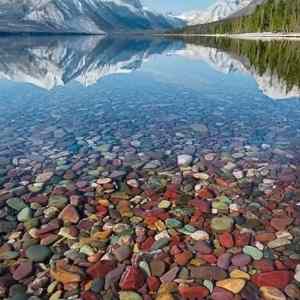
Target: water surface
101,118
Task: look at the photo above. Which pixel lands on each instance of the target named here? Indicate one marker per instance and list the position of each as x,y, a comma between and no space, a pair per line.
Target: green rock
38,253
58,201
220,206
130,296
16,204
187,229
161,243
36,187
145,267
173,223
209,285
9,255
254,252
222,224
25,214
32,223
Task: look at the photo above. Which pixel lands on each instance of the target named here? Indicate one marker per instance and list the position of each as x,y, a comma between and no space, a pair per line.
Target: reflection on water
50,62
108,177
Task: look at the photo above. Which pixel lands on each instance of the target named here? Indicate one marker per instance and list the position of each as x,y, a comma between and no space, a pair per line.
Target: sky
177,5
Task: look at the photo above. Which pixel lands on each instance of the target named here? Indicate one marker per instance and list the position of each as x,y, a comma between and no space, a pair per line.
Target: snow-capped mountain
50,62
218,11
80,16
269,83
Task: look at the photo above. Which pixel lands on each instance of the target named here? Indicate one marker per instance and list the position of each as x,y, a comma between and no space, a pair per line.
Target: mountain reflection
48,62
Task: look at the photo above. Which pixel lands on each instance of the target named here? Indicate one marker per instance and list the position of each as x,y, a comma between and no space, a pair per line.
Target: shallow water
82,109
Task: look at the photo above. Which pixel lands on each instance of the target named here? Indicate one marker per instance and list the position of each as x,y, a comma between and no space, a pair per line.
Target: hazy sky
177,5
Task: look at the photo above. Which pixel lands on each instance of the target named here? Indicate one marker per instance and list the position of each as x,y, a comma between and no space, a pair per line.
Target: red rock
147,244
101,210
206,193
221,294
277,279
132,279
211,259
203,247
23,270
281,223
226,240
89,296
48,228
183,258
69,214
100,269
242,239
153,283
201,205
265,237
170,275
197,292
264,265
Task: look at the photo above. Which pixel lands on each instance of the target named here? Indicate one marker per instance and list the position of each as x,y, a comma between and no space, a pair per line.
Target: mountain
248,10
48,62
280,16
81,16
268,82
218,11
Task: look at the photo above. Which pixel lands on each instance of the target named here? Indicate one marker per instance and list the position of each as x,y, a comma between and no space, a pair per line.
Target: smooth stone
250,292
173,223
241,260
164,204
38,253
208,272
253,252
238,274
69,214
16,204
221,294
200,235
222,224
281,242
170,275
132,279
271,293
184,160
277,279
224,261
232,285
297,273
58,201
157,268
292,291
44,177
122,253
25,214
130,296
161,243
23,270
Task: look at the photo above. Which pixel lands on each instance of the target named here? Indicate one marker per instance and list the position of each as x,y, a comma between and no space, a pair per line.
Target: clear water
100,121
80,93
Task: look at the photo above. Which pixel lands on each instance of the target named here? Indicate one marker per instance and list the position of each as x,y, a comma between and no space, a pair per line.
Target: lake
175,158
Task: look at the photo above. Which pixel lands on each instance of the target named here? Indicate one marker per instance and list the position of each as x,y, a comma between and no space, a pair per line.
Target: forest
271,16
277,57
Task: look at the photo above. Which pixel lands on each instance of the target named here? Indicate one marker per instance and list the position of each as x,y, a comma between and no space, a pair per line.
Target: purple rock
224,261
241,260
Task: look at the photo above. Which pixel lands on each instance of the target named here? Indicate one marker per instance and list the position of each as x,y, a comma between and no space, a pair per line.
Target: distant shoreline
246,36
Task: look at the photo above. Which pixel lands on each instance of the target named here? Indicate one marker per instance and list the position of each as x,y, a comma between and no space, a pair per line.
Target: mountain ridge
81,16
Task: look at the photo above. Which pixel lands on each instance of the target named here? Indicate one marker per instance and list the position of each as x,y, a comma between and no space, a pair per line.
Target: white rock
200,235
238,174
184,160
297,274
161,235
